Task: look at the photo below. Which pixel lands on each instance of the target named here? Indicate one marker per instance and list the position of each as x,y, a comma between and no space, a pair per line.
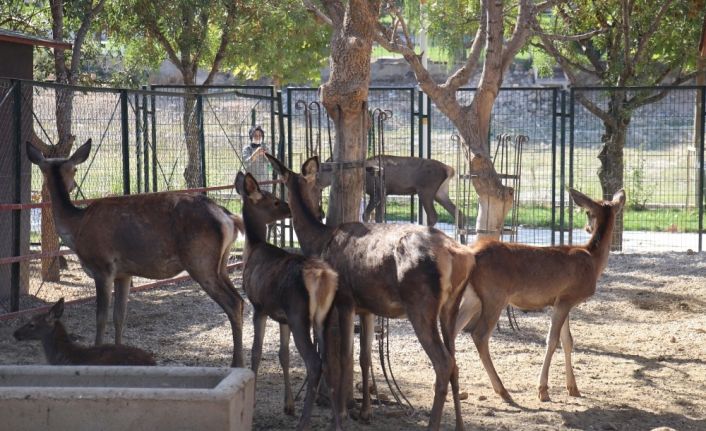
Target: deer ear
581,199
57,310
311,166
278,167
619,199
34,155
239,183
250,185
80,155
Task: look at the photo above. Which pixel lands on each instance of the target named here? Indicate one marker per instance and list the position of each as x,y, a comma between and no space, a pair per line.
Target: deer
532,278
154,236
408,176
386,270
59,349
294,290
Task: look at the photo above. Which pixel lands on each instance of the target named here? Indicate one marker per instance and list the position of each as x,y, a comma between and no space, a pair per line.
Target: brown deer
294,290
387,270
60,350
153,236
532,278
427,178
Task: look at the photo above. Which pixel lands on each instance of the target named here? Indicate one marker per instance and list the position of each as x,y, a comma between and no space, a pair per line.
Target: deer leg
121,290
302,339
567,343
372,204
423,319
470,308
480,332
284,362
367,330
447,318
102,302
427,200
442,197
561,311
221,290
259,320
345,380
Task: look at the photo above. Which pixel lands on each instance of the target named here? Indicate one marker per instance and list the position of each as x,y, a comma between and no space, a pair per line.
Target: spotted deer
59,349
152,235
294,290
532,278
386,270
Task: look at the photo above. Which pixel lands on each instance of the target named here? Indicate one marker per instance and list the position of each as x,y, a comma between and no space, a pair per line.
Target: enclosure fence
166,138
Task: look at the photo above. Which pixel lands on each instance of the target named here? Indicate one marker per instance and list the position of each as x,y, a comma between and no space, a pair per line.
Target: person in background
254,160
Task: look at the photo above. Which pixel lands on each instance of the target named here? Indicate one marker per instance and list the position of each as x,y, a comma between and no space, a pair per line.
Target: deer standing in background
294,290
532,278
427,178
387,270
153,236
60,350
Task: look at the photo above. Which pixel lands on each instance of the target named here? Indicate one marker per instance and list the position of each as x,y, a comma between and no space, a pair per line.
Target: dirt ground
640,357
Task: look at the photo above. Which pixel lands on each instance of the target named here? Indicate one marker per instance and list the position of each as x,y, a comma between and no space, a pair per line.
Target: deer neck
67,217
599,244
57,345
312,234
255,228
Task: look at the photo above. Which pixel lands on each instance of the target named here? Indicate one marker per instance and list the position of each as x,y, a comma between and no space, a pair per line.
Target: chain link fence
144,140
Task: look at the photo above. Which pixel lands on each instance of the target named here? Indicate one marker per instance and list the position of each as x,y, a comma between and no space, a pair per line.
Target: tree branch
335,12
463,75
318,13
90,13
225,38
650,31
153,27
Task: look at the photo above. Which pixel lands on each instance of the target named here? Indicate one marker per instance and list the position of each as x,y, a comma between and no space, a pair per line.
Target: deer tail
321,282
238,223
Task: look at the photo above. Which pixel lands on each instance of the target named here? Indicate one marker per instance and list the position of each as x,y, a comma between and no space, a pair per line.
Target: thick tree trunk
192,171
611,172
64,105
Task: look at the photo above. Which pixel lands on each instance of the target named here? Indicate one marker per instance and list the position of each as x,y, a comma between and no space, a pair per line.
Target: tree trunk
64,107
192,172
611,172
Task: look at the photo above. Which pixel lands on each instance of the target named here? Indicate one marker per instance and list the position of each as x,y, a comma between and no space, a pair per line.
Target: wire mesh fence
172,138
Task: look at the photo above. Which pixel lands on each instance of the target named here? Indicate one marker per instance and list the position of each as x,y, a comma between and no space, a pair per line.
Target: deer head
598,211
308,182
41,324
268,208
60,168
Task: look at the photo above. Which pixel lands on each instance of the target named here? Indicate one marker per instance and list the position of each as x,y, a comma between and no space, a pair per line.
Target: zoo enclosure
142,139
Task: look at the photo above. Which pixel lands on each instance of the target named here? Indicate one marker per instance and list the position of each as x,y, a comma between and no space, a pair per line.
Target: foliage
266,38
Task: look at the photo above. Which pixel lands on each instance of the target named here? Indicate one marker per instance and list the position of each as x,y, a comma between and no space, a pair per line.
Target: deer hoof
544,394
505,395
574,391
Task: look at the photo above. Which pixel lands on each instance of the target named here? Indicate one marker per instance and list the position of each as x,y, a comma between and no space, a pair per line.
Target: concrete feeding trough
126,398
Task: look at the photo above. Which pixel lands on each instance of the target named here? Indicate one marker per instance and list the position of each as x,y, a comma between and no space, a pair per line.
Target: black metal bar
201,137
280,156
17,214
702,167
572,134
138,143
289,147
411,146
555,93
562,183
428,127
125,133
153,114
146,145
421,119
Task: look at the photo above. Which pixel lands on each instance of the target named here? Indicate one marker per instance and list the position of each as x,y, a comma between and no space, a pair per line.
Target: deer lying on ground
387,270
532,278
153,236
294,290
60,350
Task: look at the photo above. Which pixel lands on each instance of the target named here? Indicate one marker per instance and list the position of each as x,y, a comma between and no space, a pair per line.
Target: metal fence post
280,155
153,113
145,141
562,168
17,214
411,146
555,93
701,168
572,129
201,137
138,144
125,132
